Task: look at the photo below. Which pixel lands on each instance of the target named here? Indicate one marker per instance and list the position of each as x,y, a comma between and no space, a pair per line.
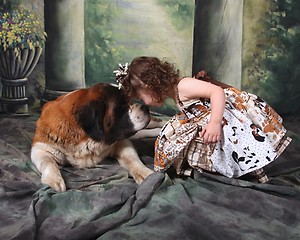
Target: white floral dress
253,136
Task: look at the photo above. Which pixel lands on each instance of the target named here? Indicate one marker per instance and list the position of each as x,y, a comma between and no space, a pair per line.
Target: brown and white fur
84,127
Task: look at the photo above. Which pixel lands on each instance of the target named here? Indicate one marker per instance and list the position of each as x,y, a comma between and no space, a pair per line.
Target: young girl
222,130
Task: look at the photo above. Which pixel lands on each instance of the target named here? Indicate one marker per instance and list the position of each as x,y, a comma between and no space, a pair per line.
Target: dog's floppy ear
90,118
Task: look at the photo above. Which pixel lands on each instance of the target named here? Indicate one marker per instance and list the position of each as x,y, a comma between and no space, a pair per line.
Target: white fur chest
85,154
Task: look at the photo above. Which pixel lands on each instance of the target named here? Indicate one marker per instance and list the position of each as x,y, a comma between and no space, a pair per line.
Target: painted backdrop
116,31
251,44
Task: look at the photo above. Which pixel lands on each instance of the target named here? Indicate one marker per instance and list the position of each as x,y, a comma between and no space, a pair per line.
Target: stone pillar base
13,98
50,95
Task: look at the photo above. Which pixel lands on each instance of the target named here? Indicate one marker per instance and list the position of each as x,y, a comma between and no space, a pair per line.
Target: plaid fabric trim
285,141
199,155
260,175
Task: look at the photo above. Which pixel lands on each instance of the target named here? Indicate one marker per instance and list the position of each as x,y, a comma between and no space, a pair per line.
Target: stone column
218,39
64,50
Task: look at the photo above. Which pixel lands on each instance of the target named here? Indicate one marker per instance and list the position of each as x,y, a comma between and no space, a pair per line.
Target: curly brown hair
155,76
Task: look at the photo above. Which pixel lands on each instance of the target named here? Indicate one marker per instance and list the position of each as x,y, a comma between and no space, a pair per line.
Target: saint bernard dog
84,127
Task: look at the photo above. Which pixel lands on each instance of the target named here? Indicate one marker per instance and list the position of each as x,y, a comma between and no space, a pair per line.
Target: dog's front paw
139,177
54,180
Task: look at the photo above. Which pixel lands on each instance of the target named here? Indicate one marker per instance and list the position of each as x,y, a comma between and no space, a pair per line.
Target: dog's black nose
145,109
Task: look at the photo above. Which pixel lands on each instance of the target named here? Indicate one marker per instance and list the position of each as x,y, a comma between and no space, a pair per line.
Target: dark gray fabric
105,203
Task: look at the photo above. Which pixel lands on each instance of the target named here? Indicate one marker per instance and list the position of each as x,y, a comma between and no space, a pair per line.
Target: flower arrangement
19,29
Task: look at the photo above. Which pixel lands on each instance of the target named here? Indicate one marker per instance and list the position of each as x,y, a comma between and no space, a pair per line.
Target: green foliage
181,12
282,57
102,50
101,55
9,5
272,53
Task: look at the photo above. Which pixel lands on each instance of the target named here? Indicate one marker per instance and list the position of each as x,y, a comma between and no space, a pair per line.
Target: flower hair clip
120,73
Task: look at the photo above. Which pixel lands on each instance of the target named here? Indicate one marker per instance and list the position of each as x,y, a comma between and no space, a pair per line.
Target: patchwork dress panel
253,136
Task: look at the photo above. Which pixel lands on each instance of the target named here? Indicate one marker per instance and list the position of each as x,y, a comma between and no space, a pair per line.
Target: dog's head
108,116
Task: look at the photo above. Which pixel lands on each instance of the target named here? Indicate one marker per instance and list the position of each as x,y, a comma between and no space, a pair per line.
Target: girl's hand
212,132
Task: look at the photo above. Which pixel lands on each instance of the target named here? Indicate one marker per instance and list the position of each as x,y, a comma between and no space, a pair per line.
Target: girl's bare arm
191,88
